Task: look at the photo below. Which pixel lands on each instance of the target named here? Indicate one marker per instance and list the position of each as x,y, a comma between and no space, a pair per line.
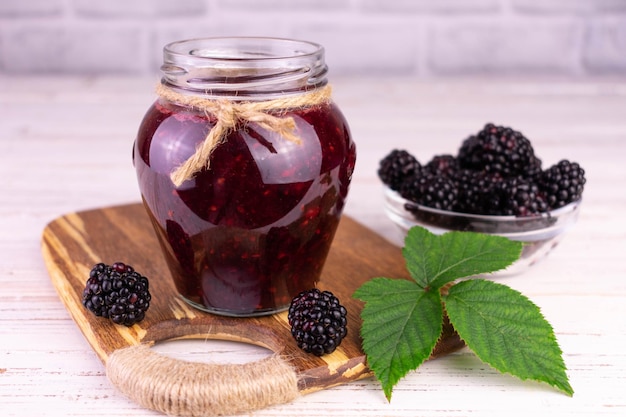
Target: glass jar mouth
243,48
244,66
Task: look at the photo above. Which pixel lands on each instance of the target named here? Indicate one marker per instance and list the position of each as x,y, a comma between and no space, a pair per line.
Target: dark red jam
248,234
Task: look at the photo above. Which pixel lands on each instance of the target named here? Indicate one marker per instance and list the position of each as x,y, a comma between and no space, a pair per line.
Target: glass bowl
540,234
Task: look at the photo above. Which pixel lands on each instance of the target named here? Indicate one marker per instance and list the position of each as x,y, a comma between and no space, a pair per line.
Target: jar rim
244,66
246,48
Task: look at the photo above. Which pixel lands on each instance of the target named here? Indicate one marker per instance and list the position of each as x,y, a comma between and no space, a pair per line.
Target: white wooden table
65,146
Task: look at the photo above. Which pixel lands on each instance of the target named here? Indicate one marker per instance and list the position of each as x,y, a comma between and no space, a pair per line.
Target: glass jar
250,224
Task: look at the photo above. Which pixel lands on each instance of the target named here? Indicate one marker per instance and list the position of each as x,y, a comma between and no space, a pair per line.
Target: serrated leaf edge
565,387
384,375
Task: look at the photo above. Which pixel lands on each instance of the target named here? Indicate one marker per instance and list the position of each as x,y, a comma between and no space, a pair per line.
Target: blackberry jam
245,233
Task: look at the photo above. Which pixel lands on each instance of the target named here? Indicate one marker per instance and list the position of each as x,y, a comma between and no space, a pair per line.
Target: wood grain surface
73,243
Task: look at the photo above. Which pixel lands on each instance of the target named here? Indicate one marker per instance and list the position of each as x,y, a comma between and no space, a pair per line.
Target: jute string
182,388
267,114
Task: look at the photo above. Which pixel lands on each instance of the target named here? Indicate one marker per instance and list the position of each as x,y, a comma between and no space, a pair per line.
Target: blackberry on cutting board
117,292
562,183
318,321
499,149
397,166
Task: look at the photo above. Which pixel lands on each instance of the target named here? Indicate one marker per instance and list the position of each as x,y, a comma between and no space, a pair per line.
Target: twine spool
182,388
267,114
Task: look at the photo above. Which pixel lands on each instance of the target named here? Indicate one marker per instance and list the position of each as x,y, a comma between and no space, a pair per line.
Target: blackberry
533,170
446,165
318,321
477,192
396,167
562,183
521,197
499,149
430,190
117,292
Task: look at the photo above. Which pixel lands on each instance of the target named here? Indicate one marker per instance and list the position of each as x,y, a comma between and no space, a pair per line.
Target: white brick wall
409,37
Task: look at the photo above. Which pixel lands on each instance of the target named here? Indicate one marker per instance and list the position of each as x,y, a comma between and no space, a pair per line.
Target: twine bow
230,114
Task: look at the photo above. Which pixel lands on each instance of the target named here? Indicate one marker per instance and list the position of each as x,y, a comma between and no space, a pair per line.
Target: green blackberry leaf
507,331
434,260
401,326
402,319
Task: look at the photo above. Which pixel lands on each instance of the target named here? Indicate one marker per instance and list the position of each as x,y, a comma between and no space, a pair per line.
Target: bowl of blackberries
494,184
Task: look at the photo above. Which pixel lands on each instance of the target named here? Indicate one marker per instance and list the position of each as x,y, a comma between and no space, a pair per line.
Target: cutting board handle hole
211,351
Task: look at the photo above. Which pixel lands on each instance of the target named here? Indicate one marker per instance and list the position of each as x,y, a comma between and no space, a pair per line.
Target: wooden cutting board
73,243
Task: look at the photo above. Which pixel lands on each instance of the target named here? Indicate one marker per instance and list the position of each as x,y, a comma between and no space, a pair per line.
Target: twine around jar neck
267,114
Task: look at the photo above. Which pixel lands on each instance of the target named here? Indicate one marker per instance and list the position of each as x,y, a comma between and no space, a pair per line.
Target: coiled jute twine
182,388
267,114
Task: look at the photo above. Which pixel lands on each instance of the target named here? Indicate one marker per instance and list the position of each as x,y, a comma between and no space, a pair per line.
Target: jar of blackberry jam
244,164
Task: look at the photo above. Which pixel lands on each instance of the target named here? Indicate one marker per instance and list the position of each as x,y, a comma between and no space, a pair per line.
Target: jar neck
243,68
